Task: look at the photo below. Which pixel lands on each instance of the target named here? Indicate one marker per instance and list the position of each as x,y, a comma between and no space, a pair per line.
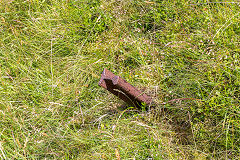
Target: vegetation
185,54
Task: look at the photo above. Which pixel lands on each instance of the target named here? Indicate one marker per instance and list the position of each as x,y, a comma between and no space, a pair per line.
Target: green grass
185,54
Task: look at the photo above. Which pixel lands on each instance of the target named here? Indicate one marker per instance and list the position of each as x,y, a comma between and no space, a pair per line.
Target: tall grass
185,54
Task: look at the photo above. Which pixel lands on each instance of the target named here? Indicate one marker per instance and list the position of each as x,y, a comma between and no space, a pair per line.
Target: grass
185,54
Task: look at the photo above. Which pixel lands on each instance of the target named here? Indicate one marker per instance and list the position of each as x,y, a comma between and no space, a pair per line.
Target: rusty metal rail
123,89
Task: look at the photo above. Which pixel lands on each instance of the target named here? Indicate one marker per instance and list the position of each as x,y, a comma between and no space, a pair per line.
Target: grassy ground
185,54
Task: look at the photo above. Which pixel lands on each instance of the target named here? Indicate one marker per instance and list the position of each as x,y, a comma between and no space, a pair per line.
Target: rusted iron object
123,89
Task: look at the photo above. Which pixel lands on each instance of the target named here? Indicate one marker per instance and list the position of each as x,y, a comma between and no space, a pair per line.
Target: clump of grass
186,56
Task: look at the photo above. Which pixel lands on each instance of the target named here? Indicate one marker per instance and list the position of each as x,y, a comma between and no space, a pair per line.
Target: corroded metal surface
123,89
